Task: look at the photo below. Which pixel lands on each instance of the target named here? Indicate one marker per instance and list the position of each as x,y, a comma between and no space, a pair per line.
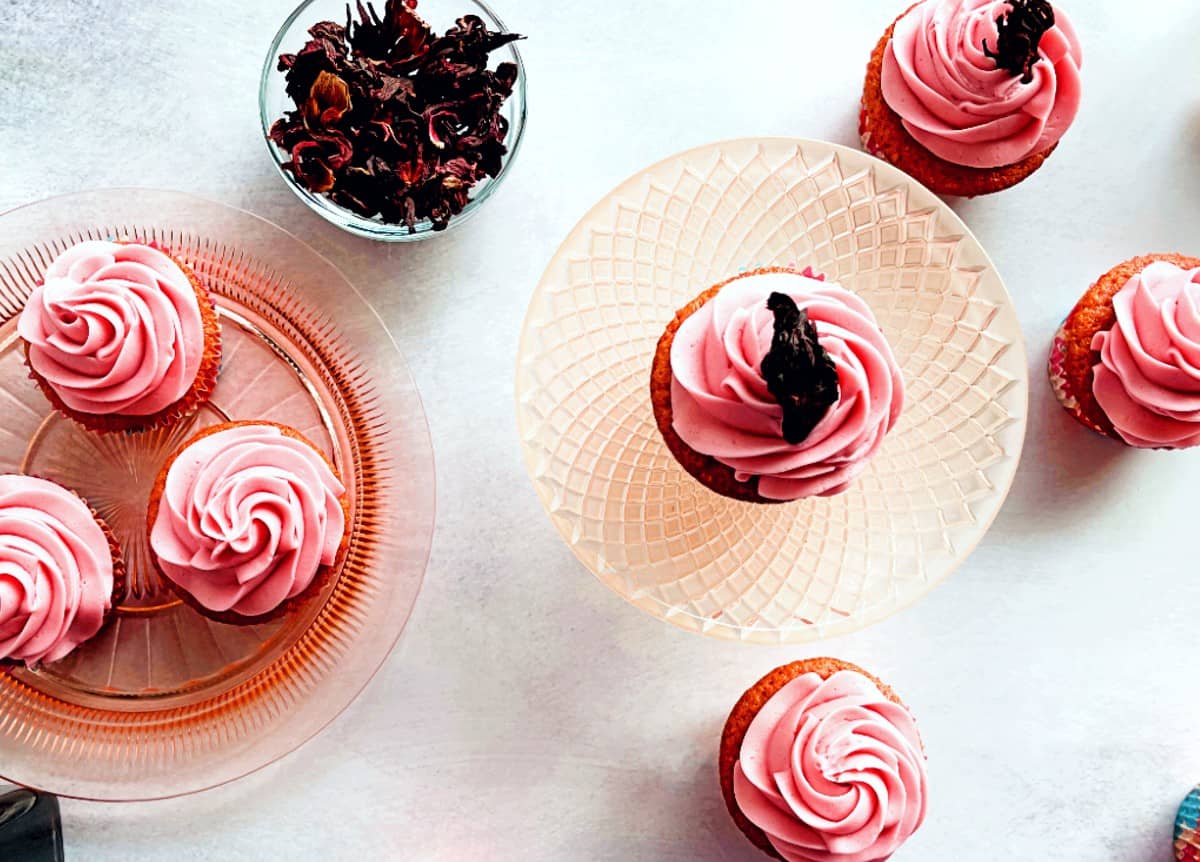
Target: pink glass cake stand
164,701
814,568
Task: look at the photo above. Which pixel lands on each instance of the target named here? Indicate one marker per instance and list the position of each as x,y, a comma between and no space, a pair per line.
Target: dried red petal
391,87
410,172
440,123
328,100
336,150
309,167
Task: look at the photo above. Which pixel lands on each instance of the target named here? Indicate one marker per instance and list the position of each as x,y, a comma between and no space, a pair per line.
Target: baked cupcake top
247,515
831,770
56,571
983,83
728,395
1148,378
115,328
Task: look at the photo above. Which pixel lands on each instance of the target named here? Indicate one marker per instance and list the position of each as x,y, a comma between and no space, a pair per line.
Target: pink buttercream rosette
1147,381
829,769
244,517
955,101
832,771
120,336
722,408
60,569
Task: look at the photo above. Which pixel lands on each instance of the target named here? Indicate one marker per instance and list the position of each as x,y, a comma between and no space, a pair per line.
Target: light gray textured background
528,713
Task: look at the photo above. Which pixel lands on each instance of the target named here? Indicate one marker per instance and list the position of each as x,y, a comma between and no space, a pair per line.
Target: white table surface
530,714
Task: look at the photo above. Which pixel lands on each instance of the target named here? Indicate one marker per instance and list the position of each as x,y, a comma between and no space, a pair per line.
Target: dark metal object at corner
30,827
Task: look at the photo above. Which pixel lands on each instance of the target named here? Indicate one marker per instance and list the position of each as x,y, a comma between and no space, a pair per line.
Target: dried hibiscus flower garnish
393,120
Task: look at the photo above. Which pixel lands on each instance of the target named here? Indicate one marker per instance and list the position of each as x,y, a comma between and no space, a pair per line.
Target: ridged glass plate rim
295,713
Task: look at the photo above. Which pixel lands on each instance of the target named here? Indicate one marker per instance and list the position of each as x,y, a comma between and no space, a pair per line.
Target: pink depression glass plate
164,701
805,570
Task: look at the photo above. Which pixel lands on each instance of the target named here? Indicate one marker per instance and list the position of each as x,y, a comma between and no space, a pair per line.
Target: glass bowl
273,101
164,701
770,573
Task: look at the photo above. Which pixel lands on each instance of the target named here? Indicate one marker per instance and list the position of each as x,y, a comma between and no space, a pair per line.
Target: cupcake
244,518
775,385
121,337
1126,361
821,762
60,571
971,96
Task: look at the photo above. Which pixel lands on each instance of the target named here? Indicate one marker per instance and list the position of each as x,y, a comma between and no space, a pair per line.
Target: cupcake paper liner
1061,384
1187,823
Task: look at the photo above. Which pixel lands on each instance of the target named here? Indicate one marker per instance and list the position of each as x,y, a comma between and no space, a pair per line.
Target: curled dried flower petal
336,149
310,168
799,372
391,87
1020,31
328,100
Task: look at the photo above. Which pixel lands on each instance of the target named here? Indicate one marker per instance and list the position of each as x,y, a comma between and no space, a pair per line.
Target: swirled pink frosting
832,771
56,571
1148,379
954,100
115,329
722,407
247,517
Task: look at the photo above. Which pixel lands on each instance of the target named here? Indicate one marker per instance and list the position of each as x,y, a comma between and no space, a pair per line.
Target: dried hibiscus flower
393,120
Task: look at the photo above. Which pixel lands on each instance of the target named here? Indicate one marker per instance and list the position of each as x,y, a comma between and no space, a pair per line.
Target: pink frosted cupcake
775,385
60,571
822,762
971,96
1126,361
245,518
120,336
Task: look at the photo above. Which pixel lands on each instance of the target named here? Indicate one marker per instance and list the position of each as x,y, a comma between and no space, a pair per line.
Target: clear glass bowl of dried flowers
393,122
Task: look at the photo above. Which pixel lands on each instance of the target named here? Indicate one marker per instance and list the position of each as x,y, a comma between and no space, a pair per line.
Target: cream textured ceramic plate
814,568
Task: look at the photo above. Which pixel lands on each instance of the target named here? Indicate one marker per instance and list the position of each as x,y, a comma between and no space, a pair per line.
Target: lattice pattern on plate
770,573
